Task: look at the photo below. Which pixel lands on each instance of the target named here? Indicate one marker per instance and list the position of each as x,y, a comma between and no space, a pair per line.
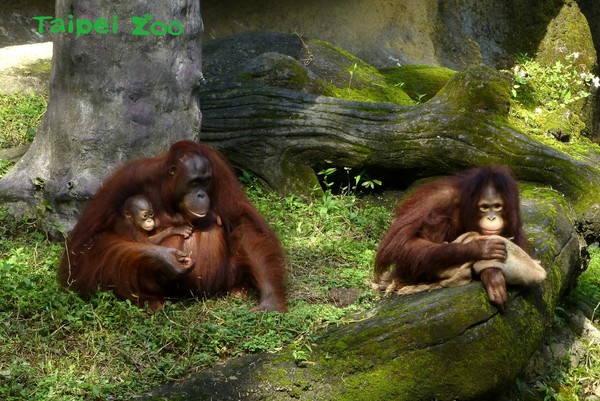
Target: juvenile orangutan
138,212
422,248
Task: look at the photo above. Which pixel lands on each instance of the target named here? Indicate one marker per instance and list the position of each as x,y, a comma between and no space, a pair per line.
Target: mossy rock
420,82
350,77
568,33
480,90
305,65
563,124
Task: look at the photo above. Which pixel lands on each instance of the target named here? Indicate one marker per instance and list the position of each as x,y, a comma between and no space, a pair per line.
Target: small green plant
420,97
300,357
326,174
342,203
352,71
551,87
354,183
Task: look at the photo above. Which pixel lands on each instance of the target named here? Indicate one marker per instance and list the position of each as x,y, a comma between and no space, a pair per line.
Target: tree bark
114,97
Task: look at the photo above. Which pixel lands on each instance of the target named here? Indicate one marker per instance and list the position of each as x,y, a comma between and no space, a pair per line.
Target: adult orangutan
418,245
230,247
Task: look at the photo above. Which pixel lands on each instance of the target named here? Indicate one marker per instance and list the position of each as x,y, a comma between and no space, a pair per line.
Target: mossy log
446,344
284,136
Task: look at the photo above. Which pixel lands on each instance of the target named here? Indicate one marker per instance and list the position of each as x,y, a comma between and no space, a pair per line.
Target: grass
56,346
19,117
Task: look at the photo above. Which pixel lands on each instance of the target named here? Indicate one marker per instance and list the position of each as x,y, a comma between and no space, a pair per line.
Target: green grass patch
56,346
20,116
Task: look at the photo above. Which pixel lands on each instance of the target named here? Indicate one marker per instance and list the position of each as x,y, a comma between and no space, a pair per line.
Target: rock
25,69
454,33
568,33
13,154
16,25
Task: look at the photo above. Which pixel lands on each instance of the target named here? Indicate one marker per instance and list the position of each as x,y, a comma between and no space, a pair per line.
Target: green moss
337,66
363,150
245,76
568,32
351,78
420,82
560,129
373,94
428,341
369,90
299,178
478,89
588,285
277,70
563,125
402,377
537,223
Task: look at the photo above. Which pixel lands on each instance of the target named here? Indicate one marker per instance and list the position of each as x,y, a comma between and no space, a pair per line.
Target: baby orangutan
138,211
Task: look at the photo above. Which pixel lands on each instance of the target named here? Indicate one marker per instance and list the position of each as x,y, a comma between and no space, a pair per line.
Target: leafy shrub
553,86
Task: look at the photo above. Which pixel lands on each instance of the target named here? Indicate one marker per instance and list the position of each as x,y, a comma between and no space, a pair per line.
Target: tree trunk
114,96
